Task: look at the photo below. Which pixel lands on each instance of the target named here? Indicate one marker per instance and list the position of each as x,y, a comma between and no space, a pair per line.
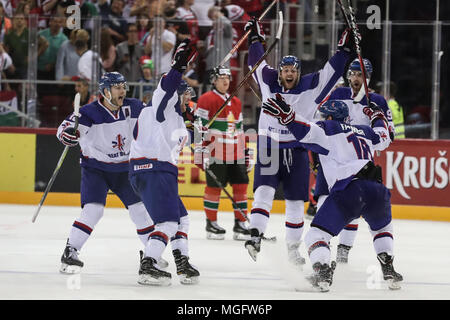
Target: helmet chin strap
109,99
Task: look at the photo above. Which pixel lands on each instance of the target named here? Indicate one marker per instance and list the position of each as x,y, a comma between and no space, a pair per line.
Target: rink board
196,203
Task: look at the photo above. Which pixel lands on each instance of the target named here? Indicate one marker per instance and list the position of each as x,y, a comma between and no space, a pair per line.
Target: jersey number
361,147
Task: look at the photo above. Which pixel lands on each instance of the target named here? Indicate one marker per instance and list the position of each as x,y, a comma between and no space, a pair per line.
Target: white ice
30,260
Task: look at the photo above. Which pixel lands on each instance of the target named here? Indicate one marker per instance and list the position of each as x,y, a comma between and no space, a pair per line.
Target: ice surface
30,260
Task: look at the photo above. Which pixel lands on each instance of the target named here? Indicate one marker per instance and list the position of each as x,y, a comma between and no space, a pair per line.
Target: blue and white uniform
356,117
281,158
159,136
105,141
344,151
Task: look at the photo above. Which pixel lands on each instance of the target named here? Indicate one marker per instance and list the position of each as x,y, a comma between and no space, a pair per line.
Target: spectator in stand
5,22
7,6
254,8
8,97
200,9
69,54
51,8
143,24
215,53
82,87
107,50
16,44
237,16
128,55
112,18
184,12
55,38
150,83
168,40
178,26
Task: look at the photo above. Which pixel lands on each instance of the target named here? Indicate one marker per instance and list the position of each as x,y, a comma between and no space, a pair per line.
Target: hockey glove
256,31
374,113
183,56
347,41
70,137
279,109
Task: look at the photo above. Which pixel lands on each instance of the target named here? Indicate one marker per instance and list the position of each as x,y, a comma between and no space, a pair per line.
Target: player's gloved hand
279,109
375,113
256,31
314,164
347,41
249,163
183,56
70,137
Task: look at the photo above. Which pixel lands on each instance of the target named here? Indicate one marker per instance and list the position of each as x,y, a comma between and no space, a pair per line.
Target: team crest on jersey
119,143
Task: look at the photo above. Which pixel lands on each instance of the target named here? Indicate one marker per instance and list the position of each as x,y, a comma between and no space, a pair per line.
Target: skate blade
394,285
148,280
252,251
188,280
322,287
241,237
69,269
215,236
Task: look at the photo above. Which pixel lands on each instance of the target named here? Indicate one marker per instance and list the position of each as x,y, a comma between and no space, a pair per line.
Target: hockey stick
249,74
239,43
350,20
76,113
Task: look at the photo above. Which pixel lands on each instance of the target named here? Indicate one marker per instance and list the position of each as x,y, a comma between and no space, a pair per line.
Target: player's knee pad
168,228
294,210
240,188
139,215
263,198
91,214
212,191
315,237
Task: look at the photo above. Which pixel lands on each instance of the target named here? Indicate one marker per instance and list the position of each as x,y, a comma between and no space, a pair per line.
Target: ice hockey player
227,152
159,136
355,102
281,159
104,134
355,182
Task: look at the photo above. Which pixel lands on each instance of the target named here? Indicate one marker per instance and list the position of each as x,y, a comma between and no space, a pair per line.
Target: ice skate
342,253
187,273
214,231
254,244
70,263
150,274
322,278
389,274
294,255
240,231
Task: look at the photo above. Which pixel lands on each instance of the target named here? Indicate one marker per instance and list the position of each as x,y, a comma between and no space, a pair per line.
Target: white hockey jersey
105,136
304,98
343,149
160,132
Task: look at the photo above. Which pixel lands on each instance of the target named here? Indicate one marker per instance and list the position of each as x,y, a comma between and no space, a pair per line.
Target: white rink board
30,259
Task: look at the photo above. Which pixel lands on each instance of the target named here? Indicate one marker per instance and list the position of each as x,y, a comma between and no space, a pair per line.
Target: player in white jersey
281,158
159,137
355,102
354,181
104,134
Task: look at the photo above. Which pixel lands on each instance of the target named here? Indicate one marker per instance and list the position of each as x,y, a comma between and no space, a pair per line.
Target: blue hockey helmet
356,66
290,61
337,109
110,79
